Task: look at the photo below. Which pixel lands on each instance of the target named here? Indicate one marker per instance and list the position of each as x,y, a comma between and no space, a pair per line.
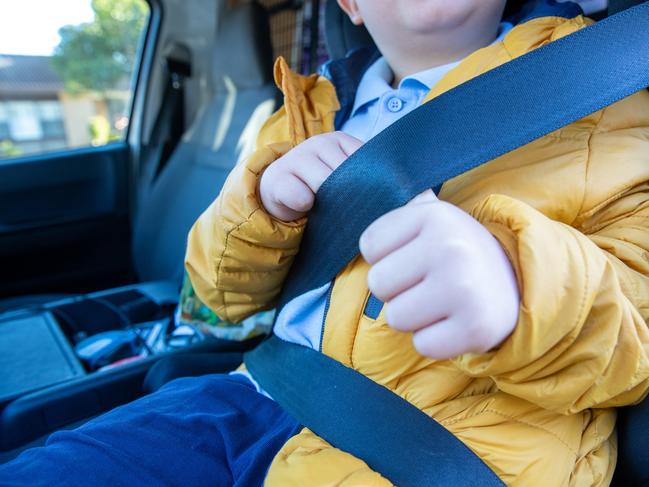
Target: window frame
143,66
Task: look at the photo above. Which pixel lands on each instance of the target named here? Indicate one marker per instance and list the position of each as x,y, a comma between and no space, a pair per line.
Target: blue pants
210,430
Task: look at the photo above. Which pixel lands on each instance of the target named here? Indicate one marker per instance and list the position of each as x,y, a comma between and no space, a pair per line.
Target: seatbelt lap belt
362,418
470,125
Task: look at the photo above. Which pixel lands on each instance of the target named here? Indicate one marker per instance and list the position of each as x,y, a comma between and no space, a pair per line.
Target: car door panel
64,223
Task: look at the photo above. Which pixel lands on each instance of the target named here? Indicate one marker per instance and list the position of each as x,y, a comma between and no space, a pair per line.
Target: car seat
224,130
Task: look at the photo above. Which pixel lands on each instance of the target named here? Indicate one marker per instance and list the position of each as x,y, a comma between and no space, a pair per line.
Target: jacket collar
346,74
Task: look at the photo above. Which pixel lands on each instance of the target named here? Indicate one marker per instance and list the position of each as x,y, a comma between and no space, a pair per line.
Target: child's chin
436,15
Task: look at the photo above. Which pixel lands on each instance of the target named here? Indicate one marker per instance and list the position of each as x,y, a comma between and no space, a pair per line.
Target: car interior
110,223
92,244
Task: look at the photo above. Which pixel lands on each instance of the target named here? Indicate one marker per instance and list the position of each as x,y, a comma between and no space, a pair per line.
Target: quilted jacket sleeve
582,339
238,254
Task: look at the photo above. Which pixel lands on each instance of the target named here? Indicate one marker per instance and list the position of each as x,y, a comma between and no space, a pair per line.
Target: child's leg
211,430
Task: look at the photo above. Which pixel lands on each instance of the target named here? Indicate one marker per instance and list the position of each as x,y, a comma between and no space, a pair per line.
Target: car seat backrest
341,35
223,131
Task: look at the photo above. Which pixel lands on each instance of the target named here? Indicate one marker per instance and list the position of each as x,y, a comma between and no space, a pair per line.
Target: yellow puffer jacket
572,212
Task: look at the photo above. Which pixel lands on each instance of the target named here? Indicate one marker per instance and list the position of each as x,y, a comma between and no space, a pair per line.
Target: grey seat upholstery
223,132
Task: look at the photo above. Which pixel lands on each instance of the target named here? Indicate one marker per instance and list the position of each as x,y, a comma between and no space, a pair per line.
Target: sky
31,26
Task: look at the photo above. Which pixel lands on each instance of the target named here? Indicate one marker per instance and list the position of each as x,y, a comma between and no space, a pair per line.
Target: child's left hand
443,277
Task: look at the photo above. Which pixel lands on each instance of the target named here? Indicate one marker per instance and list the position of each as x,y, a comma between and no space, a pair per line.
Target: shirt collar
377,80
373,84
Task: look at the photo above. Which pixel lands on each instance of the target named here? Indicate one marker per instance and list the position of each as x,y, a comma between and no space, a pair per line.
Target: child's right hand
288,186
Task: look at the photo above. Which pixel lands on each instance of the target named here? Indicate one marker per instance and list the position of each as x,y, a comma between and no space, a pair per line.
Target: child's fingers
444,340
390,232
398,271
427,196
312,172
331,154
348,144
334,148
295,194
419,306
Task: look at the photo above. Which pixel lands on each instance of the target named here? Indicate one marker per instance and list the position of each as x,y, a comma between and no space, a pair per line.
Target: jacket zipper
326,311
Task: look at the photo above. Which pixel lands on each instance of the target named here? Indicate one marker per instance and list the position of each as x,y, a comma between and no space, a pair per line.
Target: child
516,308
518,329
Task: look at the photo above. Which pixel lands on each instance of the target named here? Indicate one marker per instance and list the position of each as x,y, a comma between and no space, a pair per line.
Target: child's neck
417,54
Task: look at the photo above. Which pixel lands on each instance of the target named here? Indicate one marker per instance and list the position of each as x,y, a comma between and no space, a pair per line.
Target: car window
67,73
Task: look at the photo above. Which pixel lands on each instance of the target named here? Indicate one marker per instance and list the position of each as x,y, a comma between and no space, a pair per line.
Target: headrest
514,7
243,49
342,36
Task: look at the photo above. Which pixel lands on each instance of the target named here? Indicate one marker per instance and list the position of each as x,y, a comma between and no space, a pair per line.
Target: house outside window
71,98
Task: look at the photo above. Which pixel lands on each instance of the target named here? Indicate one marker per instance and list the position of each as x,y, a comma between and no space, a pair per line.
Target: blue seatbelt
470,125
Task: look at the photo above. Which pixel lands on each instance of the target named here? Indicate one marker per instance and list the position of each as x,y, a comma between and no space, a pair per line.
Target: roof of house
28,75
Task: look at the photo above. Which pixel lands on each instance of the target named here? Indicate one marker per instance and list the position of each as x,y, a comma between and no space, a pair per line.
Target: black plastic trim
45,411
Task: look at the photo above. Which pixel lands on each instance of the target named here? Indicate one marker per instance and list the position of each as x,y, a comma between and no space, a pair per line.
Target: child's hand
288,186
443,276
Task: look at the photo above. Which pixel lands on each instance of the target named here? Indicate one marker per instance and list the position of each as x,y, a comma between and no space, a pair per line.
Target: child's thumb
427,196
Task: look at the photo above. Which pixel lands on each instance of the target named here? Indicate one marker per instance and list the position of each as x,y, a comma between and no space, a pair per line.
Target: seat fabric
224,131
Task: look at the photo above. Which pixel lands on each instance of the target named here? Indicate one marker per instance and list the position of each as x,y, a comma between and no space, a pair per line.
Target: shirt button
394,104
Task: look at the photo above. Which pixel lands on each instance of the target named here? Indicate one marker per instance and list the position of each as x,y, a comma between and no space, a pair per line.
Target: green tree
97,55
8,149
